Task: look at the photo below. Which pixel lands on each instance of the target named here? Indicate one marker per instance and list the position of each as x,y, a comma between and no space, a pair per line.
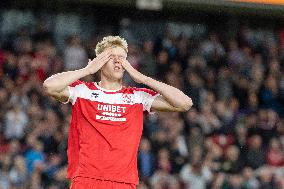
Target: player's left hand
134,74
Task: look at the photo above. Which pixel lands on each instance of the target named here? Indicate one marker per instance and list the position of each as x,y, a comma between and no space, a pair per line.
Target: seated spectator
16,121
195,175
232,162
75,56
146,159
266,177
18,174
274,154
255,156
34,156
162,177
250,180
234,181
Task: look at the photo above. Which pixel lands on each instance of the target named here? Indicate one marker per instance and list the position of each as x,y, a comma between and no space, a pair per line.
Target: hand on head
98,62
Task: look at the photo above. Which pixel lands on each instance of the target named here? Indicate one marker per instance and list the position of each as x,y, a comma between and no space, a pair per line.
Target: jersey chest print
110,106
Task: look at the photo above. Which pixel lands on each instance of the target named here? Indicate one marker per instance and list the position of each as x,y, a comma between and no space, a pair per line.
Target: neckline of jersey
106,90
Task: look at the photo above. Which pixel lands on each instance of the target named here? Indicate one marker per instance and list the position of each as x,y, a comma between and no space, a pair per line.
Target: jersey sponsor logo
111,112
106,118
111,108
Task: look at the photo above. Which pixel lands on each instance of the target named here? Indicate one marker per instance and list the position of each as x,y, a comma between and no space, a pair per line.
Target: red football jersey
105,131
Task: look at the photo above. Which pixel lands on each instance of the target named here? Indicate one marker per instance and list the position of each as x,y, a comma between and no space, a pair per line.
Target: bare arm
171,99
56,85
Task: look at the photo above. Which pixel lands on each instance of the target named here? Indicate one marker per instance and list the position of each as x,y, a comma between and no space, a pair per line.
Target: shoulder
77,83
136,90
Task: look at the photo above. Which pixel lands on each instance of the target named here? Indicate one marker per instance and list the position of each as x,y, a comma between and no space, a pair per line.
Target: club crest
127,98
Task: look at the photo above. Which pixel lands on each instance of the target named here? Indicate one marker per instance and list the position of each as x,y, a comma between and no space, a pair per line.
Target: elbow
187,105
47,87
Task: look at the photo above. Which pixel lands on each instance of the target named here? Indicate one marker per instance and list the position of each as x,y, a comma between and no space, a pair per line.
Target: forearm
59,81
175,99
174,96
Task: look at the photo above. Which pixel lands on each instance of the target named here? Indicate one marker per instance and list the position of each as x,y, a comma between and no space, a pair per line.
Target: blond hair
111,41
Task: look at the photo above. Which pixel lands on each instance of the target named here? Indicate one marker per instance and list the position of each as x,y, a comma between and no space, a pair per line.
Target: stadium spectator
75,56
146,159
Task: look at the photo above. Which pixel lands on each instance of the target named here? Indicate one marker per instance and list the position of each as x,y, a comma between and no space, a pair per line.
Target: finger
99,56
105,59
104,54
90,61
121,61
124,61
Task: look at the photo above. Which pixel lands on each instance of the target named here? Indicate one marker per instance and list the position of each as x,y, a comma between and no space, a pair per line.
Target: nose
116,60
114,57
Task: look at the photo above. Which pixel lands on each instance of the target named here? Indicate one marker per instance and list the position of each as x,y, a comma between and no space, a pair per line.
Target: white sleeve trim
151,100
70,94
145,99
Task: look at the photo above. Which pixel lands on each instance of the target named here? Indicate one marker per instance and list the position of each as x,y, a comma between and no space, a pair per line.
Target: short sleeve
73,91
71,95
146,97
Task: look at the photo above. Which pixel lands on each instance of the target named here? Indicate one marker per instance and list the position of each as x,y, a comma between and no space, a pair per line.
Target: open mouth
116,68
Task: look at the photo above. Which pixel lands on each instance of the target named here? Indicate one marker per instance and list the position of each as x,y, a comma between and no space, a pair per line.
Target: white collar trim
106,90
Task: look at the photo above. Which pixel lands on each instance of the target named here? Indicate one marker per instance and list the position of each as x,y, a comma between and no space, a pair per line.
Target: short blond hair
111,41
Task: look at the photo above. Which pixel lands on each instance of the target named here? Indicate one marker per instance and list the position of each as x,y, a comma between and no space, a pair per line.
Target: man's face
113,69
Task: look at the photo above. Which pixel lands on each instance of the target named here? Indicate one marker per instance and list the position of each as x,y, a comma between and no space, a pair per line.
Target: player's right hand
96,64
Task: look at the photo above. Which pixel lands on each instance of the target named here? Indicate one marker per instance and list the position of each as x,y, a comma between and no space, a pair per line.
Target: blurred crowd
232,138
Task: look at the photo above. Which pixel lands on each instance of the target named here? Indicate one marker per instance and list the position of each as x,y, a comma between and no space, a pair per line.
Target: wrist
85,71
145,80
